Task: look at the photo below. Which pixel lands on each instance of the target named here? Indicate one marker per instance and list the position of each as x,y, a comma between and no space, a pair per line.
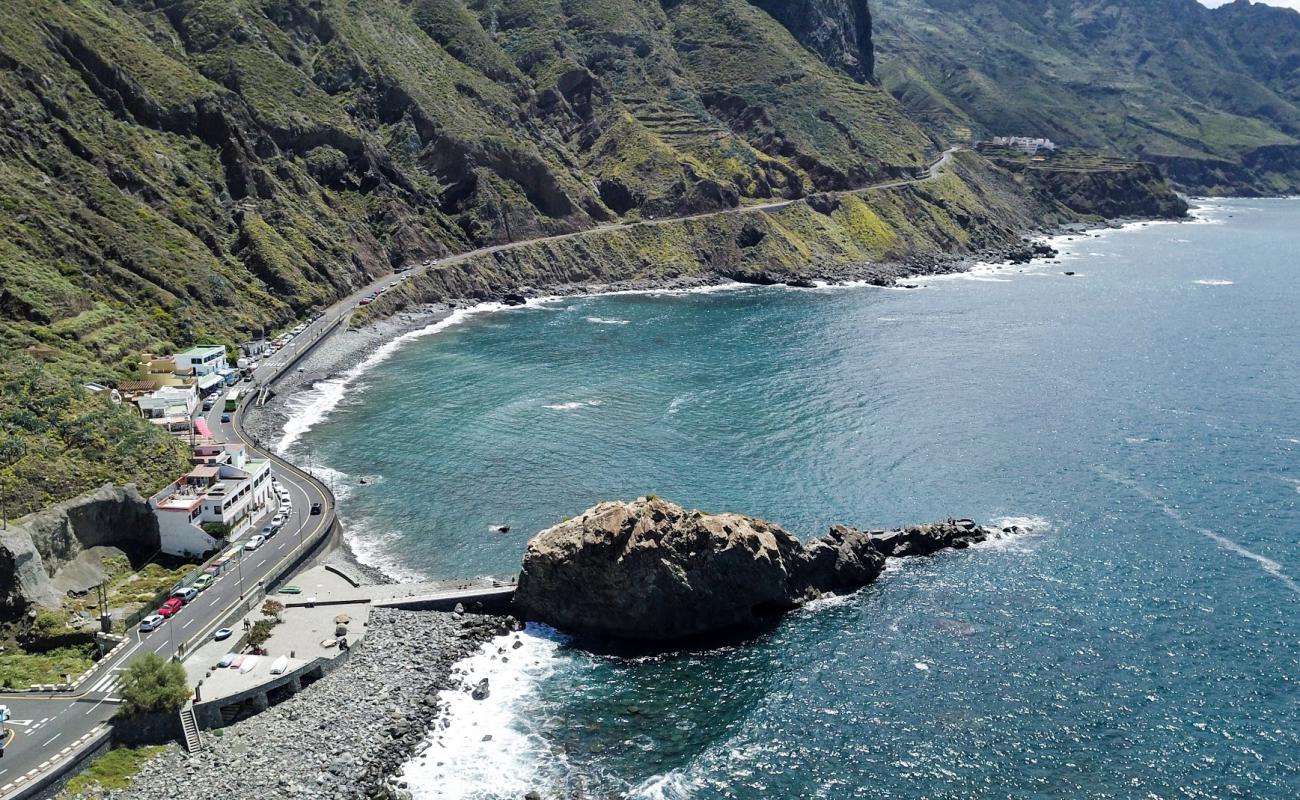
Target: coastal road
275,367
49,729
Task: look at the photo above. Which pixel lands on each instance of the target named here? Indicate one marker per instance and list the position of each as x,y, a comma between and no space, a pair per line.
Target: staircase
193,743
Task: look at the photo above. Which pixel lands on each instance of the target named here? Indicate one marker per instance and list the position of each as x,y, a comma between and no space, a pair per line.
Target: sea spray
484,748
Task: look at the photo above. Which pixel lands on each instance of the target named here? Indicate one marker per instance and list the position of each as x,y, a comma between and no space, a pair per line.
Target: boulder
650,570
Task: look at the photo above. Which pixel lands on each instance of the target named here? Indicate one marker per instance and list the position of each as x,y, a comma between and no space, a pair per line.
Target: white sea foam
317,404
481,748
677,402
1032,529
606,321
1213,282
574,405
1268,565
675,785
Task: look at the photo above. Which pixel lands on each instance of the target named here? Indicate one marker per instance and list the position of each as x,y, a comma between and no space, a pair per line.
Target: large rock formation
837,30
35,548
651,570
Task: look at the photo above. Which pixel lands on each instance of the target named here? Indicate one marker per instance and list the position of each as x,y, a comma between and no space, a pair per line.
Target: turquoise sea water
1146,412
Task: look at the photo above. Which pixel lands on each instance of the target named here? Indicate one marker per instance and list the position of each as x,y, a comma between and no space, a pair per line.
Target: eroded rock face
651,570
35,547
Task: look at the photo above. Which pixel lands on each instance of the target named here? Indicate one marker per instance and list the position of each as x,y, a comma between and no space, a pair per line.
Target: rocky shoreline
349,734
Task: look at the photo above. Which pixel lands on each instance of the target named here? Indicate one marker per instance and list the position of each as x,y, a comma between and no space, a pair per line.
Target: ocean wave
1268,565
574,405
315,406
675,785
677,402
1213,282
483,748
607,321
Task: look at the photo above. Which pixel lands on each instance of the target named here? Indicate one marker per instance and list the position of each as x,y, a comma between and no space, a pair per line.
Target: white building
169,406
201,360
225,488
1024,144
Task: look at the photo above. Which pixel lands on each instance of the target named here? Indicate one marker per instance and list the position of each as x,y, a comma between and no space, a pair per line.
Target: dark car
225,417
315,508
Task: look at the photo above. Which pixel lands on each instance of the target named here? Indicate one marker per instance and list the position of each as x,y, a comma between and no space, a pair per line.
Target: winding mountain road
51,731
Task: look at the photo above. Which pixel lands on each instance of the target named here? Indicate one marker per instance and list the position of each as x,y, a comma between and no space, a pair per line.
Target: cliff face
1105,190
36,547
837,30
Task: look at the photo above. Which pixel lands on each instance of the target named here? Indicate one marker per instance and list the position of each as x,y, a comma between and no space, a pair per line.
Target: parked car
171,606
152,622
315,508
209,403
267,532
222,634
203,581
185,594
255,542
278,521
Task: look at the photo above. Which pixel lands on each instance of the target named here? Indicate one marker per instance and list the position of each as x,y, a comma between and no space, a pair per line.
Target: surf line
1267,564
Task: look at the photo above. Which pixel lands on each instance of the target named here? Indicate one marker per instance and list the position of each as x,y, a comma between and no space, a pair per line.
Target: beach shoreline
342,357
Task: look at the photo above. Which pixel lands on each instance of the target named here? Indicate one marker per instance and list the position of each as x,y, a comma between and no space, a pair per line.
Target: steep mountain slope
182,170
1210,94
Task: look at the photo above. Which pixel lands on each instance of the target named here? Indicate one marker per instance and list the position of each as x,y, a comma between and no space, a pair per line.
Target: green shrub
154,684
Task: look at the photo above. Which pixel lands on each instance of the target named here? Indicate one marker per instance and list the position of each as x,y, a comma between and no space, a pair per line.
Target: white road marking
51,741
159,648
186,625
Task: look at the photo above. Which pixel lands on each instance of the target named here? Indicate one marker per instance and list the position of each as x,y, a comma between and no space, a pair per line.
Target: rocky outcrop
651,570
1132,189
36,547
837,30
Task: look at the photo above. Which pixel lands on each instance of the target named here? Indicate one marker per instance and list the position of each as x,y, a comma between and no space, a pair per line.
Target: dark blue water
1145,643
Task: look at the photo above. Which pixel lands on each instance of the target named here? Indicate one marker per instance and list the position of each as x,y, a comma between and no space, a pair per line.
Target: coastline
437,718
308,396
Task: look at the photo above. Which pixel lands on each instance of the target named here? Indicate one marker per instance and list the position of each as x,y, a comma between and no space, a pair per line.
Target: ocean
1143,414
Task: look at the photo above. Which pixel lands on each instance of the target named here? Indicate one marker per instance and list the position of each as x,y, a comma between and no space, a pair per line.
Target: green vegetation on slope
1213,95
58,439
205,169
113,770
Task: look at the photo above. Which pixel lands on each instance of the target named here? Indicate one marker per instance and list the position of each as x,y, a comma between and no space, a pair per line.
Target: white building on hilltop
1025,144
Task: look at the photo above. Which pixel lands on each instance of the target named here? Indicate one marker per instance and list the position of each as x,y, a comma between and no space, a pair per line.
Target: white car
256,541
278,521
152,622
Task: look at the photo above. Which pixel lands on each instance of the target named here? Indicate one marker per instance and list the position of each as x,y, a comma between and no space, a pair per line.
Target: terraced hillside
182,170
1212,95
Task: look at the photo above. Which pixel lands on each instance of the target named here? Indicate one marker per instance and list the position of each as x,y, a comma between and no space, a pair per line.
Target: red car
171,607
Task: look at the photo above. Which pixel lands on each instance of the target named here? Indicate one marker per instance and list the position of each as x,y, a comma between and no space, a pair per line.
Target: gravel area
347,734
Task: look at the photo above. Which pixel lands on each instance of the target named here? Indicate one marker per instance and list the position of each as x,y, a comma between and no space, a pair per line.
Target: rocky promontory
653,571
